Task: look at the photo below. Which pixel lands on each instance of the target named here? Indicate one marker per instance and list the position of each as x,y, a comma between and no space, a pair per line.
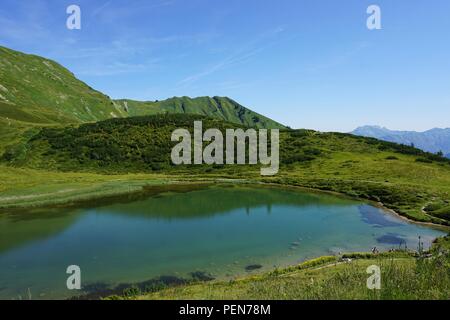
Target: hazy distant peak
433,140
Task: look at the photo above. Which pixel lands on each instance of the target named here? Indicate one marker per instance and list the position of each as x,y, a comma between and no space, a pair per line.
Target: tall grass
403,277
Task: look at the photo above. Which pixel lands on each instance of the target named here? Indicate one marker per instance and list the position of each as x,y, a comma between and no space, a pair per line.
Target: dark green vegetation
141,144
217,107
404,275
137,144
440,209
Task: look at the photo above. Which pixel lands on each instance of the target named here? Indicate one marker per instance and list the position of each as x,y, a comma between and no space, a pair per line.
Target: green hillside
217,107
40,91
135,144
410,181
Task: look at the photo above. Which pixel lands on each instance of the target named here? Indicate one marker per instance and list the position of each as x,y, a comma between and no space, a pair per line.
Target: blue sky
306,63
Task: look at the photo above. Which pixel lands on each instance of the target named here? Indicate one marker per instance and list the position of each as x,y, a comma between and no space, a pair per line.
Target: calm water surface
214,232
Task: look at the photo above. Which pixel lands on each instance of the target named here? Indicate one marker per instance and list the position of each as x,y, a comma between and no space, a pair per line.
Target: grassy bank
403,276
22,188
410,196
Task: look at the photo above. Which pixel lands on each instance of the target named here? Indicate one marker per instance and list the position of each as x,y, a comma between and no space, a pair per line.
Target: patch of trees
125,144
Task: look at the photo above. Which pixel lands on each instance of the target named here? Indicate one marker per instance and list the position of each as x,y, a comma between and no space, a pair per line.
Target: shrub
424,160
391,158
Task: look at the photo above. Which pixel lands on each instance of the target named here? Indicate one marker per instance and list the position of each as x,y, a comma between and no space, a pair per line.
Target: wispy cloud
257,45
99,9
117,68
112,11
13,30
339,58
113,58
232,85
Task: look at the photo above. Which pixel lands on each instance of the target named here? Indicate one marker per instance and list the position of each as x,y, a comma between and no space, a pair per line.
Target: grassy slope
24,187
37,90
217,107
402,278
404,275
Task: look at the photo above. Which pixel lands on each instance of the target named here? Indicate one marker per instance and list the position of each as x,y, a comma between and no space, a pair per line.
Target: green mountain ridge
216,107
35,90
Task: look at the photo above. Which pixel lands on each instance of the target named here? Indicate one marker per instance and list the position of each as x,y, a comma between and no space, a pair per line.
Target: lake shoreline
255,200
58,200
312,267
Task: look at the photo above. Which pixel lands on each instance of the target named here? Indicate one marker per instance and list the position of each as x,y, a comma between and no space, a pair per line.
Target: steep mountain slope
433,140
40,91
217,107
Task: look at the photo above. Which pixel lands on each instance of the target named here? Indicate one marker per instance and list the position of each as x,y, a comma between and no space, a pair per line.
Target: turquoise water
213,232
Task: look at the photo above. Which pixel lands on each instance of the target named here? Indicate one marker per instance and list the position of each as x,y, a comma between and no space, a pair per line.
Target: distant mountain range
433,140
